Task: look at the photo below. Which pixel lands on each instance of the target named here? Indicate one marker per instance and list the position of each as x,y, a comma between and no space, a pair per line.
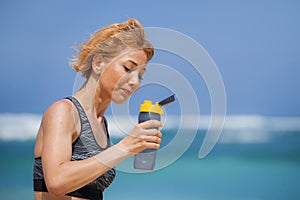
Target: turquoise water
235,171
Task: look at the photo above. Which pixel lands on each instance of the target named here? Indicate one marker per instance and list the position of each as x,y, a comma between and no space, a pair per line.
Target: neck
93,99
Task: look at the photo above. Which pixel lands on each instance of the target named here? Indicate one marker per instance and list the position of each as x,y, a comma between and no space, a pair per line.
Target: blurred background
255,45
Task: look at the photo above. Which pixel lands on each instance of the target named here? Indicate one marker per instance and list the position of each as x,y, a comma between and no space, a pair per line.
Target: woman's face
122,77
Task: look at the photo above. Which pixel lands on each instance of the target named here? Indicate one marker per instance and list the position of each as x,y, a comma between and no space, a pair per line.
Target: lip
127,92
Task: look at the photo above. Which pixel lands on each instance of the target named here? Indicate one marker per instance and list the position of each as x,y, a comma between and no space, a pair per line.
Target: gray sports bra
85,146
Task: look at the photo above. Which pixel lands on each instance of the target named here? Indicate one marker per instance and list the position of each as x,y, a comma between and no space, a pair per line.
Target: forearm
73,175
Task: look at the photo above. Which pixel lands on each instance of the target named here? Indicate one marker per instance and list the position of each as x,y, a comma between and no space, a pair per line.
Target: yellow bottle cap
148,107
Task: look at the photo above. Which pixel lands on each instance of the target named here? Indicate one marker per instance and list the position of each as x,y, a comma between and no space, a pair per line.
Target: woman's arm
63,175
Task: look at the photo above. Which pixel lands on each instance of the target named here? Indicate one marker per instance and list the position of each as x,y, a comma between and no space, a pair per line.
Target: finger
159,134
152,139
151,145
150,124
153,132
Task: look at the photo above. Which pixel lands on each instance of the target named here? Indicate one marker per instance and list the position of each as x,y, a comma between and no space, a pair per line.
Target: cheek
122,80
110,79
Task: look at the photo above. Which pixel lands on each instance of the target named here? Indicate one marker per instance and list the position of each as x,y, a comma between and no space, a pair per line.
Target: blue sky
255,45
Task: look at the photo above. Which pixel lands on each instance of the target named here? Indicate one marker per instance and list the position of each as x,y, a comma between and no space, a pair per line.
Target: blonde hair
110,42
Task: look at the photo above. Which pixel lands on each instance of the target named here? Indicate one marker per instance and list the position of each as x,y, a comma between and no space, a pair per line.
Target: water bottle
146,159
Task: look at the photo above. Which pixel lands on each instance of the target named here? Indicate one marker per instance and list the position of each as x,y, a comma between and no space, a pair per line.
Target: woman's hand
143,136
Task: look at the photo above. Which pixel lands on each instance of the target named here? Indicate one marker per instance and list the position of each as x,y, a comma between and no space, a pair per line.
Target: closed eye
126,68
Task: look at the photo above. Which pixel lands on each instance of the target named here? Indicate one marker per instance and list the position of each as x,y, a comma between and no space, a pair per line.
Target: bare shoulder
61,106
60,112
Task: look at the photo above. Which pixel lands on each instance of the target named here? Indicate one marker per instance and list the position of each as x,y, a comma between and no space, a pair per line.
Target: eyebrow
133,62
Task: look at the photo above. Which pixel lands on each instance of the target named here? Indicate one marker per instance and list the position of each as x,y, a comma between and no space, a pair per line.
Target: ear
98,63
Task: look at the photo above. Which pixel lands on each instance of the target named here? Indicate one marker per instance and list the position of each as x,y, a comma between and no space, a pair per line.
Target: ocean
251,161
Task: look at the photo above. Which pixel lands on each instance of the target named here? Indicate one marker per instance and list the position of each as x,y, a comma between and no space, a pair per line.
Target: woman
73,156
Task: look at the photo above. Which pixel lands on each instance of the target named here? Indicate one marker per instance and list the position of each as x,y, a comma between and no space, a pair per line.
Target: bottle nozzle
167,100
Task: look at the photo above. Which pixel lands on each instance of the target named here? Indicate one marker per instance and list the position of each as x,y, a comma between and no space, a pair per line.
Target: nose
134,79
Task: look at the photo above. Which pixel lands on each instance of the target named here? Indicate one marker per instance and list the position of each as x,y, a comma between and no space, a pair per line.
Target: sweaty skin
60,127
